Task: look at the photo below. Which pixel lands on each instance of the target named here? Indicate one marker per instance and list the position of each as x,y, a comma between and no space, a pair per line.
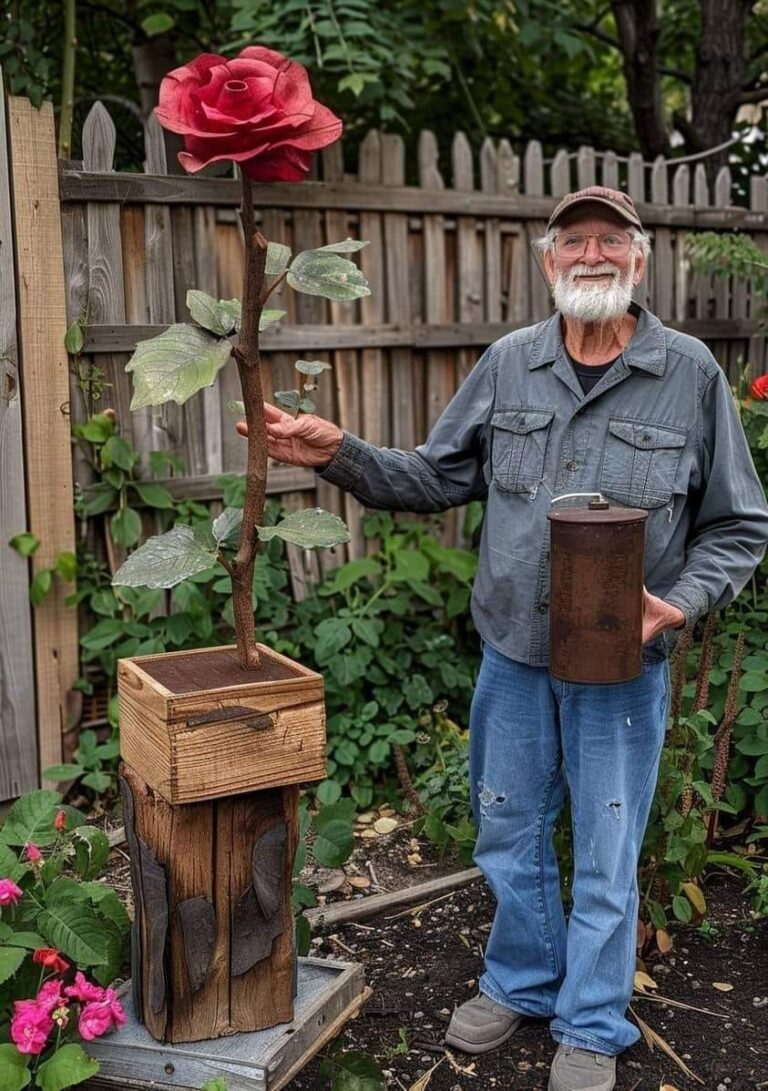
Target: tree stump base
213,949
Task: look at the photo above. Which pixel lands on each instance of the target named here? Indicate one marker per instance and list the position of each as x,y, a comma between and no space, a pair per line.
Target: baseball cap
620,203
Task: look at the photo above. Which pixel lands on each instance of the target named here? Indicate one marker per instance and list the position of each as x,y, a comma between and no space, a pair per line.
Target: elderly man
601,396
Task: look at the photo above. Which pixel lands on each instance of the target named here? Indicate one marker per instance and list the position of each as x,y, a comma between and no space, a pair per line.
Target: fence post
45,385
18,748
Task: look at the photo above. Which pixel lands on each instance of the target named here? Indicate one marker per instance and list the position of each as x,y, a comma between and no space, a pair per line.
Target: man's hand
306,440
659,615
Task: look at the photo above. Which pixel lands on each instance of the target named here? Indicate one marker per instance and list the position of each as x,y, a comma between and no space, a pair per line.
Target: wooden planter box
194,730
212,759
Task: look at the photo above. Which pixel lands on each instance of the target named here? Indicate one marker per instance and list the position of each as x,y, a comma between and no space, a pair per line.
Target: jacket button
572,465
542,608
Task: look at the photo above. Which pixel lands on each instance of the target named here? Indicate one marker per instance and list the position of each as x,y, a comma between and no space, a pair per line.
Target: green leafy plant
94,764
350,1071
57,923
54,858
326,835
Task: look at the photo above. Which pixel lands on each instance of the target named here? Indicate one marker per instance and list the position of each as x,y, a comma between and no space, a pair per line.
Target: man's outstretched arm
446,471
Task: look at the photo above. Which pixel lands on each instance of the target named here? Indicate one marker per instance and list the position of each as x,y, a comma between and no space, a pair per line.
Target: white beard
594,302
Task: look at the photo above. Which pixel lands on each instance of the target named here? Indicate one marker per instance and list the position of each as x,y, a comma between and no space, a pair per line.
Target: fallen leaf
385,825
722,986
663,941
422,1081
386,811
652,1039
413,858
362,882
334,881
365,819
643,982
642,935
368,834
695,897
667,1087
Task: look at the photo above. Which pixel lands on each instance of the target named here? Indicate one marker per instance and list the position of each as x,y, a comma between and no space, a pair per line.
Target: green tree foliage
566,73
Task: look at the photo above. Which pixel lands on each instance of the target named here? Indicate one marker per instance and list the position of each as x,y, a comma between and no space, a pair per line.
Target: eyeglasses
613,244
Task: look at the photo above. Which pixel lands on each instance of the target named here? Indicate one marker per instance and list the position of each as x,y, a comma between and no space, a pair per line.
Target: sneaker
576,1069
481,1024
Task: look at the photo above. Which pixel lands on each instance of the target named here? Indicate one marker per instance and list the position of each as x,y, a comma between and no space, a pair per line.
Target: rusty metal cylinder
596,593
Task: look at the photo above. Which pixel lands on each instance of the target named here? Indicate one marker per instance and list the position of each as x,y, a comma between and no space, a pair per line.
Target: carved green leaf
236,407
220,316
347,246
322,272
175,365
312,367
289,399
74,339
269,317
278,256
226,526
167,559
310,529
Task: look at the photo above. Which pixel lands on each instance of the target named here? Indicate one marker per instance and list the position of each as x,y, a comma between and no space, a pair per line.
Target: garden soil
423,961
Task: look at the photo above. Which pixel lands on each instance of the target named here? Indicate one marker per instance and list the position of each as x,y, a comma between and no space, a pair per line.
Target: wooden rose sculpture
216,740
258,112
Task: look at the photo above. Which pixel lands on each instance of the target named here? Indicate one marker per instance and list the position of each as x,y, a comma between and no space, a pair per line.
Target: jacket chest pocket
519,448
640,463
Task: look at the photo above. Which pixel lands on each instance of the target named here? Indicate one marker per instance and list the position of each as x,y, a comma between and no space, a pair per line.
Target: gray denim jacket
660,431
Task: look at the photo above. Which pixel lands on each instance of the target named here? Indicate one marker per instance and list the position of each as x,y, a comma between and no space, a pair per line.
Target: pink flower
60,821
49,956
34,855
30,1026
49,996
85,991
98,1017
10,894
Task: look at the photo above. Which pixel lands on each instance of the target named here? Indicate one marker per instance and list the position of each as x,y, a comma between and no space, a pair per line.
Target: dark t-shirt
589,375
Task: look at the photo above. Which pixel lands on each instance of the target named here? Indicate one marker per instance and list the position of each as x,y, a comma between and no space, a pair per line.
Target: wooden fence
450,265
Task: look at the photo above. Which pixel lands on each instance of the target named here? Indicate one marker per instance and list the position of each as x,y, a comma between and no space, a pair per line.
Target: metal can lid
598,514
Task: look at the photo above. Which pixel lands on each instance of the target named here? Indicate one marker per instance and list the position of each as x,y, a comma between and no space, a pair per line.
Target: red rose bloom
256,110
49,956
759,388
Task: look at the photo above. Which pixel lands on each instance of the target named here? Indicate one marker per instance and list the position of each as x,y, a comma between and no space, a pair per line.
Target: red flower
34,855
759,388
49,956
256,110
60,821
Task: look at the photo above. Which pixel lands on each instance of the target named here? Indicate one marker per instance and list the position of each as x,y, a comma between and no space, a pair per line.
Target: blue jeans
531,739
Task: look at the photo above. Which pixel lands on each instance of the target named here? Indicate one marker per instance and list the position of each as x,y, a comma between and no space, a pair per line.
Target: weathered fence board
45,375
18,745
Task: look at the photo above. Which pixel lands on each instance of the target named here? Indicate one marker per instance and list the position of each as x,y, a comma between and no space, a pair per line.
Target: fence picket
508,169
636,177
533,169
489,166
560,174
106,290
165,420
18,768
585,166
610,173
346,362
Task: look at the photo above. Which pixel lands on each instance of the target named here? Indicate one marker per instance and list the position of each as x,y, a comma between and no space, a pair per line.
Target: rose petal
286,165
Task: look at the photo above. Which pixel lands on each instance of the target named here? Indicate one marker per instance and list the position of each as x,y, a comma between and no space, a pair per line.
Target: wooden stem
248,362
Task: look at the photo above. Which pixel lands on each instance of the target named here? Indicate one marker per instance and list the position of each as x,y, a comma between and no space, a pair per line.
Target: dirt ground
421,964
